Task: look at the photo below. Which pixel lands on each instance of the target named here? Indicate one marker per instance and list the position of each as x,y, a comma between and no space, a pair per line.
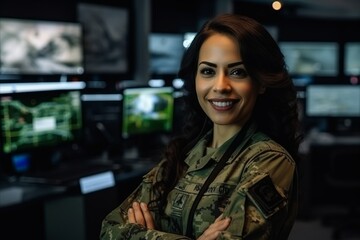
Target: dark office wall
310,29
38,9
55,10
293,26
183,16
179,15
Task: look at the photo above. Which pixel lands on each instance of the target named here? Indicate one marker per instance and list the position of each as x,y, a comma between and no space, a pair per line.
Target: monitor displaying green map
39,119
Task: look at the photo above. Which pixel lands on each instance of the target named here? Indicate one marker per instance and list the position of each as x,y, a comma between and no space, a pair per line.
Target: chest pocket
211,205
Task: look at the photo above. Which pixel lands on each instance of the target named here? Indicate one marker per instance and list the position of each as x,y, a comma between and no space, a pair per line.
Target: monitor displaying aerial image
311,58
40,47
166,50
106,38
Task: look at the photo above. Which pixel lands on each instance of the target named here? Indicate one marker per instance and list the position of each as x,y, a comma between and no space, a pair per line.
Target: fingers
139,213
219,218
220,225
139,217
131,215
215,229
147,216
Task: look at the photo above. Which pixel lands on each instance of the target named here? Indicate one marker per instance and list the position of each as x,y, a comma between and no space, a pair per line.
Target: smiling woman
232,173
224,89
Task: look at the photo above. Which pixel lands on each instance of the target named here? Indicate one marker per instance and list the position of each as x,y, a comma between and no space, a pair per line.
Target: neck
222,133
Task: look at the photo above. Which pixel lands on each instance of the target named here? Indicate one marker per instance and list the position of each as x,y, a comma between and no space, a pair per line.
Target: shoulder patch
265,196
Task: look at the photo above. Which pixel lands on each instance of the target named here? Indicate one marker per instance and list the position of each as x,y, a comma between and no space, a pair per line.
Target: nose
222,84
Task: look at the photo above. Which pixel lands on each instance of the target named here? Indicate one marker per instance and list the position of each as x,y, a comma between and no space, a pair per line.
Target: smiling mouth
223,104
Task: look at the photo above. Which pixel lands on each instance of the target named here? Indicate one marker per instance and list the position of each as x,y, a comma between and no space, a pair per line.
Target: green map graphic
33,122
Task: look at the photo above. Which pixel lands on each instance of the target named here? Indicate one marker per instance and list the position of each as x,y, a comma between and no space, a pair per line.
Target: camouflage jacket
257,188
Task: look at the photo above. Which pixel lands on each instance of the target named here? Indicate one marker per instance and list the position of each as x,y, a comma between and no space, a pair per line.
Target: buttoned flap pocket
264,194
211,205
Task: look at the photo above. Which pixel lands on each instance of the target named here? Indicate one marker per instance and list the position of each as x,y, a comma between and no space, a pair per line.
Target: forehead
218,47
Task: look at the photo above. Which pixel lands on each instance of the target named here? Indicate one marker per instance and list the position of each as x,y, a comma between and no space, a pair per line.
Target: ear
262,89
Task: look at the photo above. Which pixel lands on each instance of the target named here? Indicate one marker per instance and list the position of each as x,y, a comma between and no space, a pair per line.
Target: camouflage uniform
256,188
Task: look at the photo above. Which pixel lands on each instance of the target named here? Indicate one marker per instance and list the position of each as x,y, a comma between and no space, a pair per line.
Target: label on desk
97,182
10,195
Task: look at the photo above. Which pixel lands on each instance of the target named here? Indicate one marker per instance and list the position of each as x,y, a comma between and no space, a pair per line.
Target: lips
223,104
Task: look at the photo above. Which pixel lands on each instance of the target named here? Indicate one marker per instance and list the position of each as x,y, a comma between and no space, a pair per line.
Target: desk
15,193
328,159
33,211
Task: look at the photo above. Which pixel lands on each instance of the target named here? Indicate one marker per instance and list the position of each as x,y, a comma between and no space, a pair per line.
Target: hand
214,230
140,214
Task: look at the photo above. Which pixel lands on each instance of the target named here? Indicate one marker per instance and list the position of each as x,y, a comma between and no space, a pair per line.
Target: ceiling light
276,5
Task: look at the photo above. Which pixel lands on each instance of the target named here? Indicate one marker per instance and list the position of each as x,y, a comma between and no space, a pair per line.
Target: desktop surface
67,174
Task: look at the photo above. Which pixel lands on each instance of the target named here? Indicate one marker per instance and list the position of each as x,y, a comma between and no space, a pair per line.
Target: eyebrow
235,64
214,65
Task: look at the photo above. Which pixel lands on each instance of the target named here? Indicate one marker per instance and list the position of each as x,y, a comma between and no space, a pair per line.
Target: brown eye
239,73
207,72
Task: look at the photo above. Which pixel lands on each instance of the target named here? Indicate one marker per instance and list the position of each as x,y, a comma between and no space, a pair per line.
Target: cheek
247,88
201,96
249,92
198,91
200,86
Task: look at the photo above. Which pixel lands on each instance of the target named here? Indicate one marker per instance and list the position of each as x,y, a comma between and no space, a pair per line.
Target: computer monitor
311,58
108,41
34,47
333,101
102,121
333,108
166,50
39,120
147,110
352,59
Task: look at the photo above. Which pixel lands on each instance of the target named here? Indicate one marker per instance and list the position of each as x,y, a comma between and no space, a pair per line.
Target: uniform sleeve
262,205
115,225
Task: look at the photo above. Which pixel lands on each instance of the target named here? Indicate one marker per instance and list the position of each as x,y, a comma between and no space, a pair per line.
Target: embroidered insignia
265,196
179,201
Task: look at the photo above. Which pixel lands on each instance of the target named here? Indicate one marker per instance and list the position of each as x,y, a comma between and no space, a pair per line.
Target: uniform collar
197,157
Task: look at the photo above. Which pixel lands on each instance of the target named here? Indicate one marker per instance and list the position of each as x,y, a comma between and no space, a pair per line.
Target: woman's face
224,89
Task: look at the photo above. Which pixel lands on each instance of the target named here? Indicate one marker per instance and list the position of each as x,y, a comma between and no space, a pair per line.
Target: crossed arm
139,213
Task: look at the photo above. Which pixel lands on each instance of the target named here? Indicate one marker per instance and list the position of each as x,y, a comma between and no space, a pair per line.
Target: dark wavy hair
275,111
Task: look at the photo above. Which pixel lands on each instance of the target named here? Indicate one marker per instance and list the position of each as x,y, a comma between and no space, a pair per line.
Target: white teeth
222,104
